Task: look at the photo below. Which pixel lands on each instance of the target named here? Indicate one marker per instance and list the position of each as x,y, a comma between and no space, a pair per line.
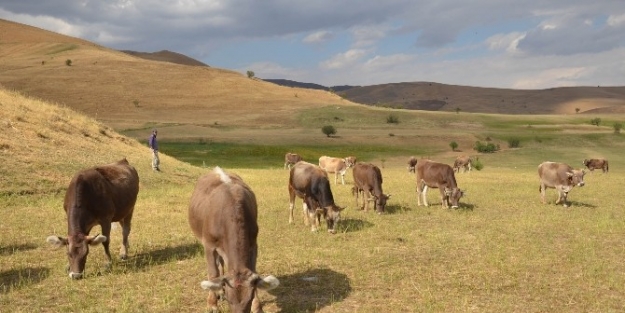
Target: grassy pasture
501,251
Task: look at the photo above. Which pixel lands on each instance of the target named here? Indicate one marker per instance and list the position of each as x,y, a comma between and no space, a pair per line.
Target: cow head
332,214
77,250
453,195
240,288
350,161
576,178
380,202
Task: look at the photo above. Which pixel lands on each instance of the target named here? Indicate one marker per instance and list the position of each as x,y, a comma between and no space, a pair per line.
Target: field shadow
12,249
22,278
577,204
395,209
160,256
465,207
349,225
310,291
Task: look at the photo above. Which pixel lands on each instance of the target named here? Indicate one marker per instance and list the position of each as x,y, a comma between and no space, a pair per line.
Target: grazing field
502,251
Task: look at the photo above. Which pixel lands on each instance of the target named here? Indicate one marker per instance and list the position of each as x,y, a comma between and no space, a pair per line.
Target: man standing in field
154,147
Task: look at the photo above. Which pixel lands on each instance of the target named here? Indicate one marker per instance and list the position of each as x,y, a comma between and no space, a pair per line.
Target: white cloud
342,60
616,20
507,42
319,37
365,36
45,22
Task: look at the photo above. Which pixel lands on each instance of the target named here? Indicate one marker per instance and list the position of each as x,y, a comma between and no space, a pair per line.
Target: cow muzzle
581,184
73,275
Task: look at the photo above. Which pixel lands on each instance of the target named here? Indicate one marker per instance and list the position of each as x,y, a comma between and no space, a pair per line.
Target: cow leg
125,223
421,191
443,197
291,204
305,214
213,261
106,232
543,191
424,195
343,177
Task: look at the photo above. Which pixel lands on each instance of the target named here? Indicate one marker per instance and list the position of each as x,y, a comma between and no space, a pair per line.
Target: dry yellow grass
42,145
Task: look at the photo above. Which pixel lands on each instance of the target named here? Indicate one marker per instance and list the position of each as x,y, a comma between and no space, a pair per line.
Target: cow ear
96,240
214,284
268,283
57,241
388,196
569,174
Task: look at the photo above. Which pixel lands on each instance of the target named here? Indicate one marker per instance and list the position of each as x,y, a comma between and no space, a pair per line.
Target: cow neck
78,221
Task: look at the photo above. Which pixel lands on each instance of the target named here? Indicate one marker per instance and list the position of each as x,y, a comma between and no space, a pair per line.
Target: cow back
309,179
223,210
332,165
436,174
106,192
554,174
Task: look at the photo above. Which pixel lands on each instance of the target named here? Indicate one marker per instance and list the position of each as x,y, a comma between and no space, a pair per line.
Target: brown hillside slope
42,145
441,97
126,91
166,56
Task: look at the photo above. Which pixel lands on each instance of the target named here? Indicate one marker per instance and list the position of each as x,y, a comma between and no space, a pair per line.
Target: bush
392,119
68,62
250,74
453,145
514,143
617,127
595,121
485,148
477,164
328,130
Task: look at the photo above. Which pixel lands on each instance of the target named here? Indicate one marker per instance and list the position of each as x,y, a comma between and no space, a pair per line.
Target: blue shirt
152,142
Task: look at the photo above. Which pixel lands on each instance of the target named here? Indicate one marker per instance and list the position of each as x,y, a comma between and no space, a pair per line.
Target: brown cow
368,180
99,195
290,159
437,175
412,162
310,182
560,176
336,166
222,215
464,162
592,164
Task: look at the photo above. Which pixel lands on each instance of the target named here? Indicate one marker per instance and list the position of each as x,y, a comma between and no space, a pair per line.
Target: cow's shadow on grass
311,290
349,225
577,204
12,249
160,256
22,278
395,209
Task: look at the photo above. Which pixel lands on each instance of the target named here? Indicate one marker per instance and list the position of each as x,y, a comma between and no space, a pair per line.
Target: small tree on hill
617,127
576,110
68,62
453,145
328,130
595,121
250,74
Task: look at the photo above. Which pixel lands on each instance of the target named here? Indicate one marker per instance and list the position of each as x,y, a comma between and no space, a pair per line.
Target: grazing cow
99,195
464,162
290,159
222,215
560,176
437,175
368,180
310,182
412,162
592,164
336,166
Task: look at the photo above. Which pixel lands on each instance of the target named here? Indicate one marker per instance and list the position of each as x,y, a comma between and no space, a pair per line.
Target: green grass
232,155
502,251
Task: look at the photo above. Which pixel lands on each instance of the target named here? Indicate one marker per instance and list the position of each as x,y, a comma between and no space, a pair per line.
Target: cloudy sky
530,44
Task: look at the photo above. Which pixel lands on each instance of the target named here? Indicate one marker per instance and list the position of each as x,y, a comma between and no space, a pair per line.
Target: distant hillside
292,83
166,56
126,91
440,97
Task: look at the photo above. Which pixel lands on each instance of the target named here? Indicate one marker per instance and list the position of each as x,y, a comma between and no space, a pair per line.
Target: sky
529,44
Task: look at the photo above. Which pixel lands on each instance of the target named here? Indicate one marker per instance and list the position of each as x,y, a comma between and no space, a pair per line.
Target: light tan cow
464,162
337,166
223,216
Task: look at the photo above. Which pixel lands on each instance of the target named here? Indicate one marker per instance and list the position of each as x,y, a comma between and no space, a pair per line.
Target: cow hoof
123,256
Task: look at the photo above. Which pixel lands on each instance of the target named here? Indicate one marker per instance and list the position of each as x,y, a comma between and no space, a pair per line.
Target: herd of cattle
223,211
